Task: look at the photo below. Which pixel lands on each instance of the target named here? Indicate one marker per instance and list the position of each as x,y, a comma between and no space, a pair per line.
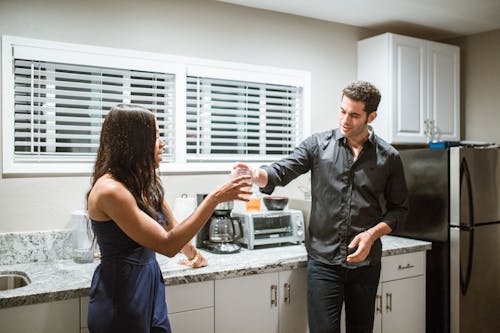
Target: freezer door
475,279
426,173
474,186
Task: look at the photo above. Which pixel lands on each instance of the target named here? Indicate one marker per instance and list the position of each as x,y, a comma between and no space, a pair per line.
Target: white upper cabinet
420,87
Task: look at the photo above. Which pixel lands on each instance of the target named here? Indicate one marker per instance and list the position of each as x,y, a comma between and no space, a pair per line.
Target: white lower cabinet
403,308
54,317
293,301
400,303
84,310
247,304
191,307
270,302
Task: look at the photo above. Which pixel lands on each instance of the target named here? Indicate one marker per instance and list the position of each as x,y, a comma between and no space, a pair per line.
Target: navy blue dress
127,293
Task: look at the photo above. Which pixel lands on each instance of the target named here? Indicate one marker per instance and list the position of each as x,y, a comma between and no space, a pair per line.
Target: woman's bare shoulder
107,182
107,192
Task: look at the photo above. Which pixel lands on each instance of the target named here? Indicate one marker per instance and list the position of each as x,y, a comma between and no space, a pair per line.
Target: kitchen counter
65,279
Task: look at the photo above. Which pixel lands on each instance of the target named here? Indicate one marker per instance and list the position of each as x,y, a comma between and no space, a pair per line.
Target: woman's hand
197,261
237,188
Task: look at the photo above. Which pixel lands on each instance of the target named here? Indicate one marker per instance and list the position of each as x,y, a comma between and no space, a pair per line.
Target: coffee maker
220,233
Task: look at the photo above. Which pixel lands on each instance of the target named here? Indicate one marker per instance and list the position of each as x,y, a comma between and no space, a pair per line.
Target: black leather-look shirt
348,196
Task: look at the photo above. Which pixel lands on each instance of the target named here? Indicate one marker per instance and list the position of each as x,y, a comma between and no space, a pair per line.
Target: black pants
329,286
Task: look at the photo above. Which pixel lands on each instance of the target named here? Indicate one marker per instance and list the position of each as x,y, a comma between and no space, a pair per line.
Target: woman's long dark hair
127,152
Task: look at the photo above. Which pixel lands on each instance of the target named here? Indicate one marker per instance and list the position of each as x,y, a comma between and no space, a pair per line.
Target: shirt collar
337,136
371,136
341,139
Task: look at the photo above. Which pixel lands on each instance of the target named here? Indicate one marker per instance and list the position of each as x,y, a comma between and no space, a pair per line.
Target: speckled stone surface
65,279
22,247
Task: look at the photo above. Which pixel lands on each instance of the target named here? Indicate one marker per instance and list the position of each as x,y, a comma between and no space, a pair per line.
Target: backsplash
23,247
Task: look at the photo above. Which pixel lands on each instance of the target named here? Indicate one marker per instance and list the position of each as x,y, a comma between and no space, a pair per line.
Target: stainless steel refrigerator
454,198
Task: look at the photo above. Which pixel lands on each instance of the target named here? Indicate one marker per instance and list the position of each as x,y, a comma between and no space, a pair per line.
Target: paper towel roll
183,207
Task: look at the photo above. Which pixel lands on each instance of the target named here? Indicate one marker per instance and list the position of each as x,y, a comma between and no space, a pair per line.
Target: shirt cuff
271,180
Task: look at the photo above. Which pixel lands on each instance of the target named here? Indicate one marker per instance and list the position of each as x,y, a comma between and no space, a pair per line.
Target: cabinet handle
286,293
379,304
274,295
388,299
405,267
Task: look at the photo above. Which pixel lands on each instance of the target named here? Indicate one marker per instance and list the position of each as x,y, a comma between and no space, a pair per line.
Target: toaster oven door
273,226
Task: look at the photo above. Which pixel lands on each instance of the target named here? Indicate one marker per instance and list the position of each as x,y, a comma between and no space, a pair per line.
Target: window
228,119
56,95
59,108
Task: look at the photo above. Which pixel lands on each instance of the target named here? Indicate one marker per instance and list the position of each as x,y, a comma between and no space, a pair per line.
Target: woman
127,209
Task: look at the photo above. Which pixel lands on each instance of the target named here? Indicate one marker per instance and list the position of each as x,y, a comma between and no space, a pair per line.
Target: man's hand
259,176
364,243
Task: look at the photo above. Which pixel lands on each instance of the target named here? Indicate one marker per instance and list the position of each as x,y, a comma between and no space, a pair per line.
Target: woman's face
159,144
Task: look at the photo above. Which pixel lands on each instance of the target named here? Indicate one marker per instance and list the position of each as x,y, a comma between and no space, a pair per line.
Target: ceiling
432,19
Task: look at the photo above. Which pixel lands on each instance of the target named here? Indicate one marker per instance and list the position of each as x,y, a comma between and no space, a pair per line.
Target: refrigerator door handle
465,175
465,281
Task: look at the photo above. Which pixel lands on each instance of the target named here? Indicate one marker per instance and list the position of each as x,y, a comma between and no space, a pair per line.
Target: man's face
353,119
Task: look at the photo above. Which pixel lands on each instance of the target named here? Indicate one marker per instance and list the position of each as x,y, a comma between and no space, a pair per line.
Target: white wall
204,29
480,66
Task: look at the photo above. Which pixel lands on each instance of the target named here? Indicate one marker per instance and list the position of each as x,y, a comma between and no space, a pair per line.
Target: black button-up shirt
348,196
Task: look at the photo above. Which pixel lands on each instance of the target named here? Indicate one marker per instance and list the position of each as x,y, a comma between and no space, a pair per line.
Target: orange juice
253,205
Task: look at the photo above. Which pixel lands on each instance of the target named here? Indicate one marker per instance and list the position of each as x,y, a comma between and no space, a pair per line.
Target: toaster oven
271,227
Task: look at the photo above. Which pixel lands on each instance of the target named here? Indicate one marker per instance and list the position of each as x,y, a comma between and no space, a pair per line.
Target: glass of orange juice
253,204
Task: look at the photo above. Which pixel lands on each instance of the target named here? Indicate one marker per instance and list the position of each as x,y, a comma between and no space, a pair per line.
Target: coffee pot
220,233
223,232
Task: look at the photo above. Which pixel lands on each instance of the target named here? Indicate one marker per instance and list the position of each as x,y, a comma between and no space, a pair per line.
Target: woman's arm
110,199
194,257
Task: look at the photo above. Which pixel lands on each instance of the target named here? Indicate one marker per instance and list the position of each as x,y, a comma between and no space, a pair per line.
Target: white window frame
249,73
181,67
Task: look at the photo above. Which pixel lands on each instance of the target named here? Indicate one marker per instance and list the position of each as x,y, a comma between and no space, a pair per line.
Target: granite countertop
65,279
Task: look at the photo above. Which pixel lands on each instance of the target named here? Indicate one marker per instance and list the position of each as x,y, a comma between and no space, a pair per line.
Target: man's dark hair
363,91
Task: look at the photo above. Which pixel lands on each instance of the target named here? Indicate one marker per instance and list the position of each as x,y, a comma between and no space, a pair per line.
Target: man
358,195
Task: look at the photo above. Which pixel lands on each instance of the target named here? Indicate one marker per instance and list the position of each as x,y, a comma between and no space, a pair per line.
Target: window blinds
229,119
59,108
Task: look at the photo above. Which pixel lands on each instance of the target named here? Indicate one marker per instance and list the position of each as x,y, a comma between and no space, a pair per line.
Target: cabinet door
409,88
247,304
420,86
192,296
293,301
194,321
444,90
404,305
191,307
84,313
54,317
